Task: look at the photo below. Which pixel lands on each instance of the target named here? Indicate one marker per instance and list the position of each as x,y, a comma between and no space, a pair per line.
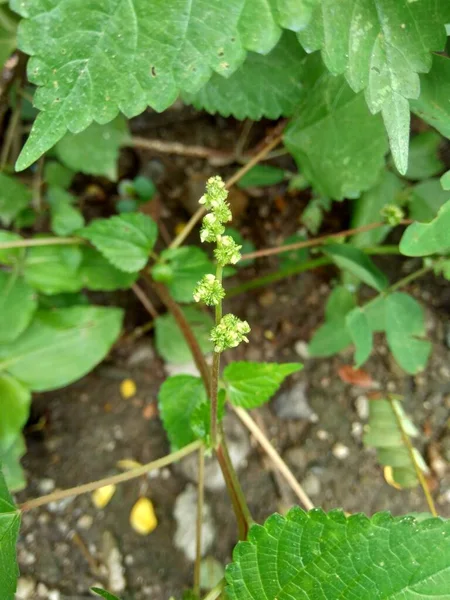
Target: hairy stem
412,455
114,479
199,523
56,241
215,371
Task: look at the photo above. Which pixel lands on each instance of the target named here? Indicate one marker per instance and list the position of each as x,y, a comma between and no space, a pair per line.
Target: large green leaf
405,330
178,397
380,46
65,218
336,142
264,86
12,469
170,342
97,274
367,209
18,302
9,531
15,401
61,345
421,239
14,197
357,263
433,104
94,151
318,556
10,256
127,55
424,158
361,334
425,199
333,336
125,240
251,384
53,269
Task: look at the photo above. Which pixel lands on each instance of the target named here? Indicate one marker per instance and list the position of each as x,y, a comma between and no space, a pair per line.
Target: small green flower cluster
215,201
229,333
209,290
392,214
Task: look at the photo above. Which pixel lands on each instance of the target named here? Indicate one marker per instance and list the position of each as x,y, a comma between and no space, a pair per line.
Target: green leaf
313,214
187,265
380,47
178,397
53,269
57,175
15,401
262,87
262,176
367,209
14,197
421,239
319,556
126,56
375,312
425,199
361,334
12,469
65,218
104,594
125,240
405,326
8,37
97,274
424,158
18,302
445,181
10,256
200,421
333,335
61,345
95,151
433,104
63,300
384,433
252,384
170,342
359,264
335,141
9,532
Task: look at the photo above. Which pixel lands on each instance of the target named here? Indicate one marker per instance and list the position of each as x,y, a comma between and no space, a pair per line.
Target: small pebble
311,484
301,348
25,588
85,522
323,435
357,429
340,451
42,590
362,407
46,486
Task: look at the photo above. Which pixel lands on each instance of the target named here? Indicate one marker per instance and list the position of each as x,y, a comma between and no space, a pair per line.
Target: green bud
227,251
209,290
229,333
211,228
392,214
162,272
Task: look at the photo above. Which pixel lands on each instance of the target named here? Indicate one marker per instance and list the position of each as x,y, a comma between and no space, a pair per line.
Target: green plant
347,75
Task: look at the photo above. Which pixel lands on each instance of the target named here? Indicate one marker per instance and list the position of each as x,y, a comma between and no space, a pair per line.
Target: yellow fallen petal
103,495
179,228
142,517
127,388
389,477
127,464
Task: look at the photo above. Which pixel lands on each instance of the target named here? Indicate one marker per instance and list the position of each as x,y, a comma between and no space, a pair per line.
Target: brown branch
145,301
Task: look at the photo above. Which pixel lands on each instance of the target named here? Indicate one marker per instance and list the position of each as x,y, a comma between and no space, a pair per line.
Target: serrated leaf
126,240
251,384
8,34
264,86
129,55
53,269
57,175
12,469
424,158
422,239
61,345
104,594
425,199
433,104
14,197
94,151
10,256
170,342
361,334
359,264
15,401
262,176
9,532
376,45
18,302
405,328
65,218
97,274
335,141
188,265
367,209
177,399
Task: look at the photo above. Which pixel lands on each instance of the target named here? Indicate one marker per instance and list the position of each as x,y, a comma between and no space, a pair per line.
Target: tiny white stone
301,348
340,451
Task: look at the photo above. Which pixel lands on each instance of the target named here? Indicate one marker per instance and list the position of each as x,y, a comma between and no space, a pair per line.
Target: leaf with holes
61,345
264,86
252,384
361,334
405,330
14,197
319,556
381,47
18,302
422,239
9,532
337,144
125,240
357,263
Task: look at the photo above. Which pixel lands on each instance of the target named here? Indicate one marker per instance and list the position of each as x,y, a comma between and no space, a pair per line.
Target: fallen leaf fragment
142,517
103,495
127,464
355,376
127,388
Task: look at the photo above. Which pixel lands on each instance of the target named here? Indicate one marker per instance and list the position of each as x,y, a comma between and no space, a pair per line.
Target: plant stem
410,448
216,591
215,371
199,524
145,300
56,241
114,479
